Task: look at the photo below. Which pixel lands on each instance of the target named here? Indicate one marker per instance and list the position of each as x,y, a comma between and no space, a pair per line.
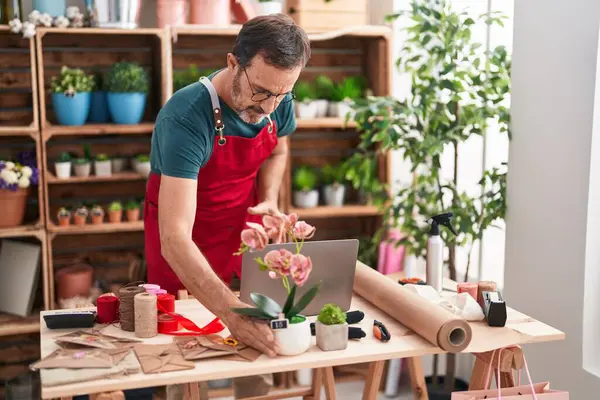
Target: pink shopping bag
537,391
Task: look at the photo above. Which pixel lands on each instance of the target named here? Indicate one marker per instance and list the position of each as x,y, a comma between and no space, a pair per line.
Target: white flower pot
306,199
339,109
143,168
295,339
322,107
117,164
83,170
331,337
269,7
304,376
334,194
63,170
306,110
102,168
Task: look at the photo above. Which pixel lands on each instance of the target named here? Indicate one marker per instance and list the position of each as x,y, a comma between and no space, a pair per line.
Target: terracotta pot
97,219
217,12
74,280
115,216
79,219
171,12
64,221
12,205
133,215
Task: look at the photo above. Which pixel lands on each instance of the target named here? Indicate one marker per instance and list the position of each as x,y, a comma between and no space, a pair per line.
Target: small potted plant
97,214
80,216
305,193
62,166
333,190
343,96
324,91
71,96
98,104
115,212
64,216
118,163
331,328
290,327
102,165
305,105
127,87
82,166
267,7
133,210
142,164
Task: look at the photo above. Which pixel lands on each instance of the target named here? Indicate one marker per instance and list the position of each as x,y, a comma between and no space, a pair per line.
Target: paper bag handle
499,382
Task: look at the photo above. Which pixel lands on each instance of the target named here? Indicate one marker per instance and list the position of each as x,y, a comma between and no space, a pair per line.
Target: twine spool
484,286
146,316
107,309
126,307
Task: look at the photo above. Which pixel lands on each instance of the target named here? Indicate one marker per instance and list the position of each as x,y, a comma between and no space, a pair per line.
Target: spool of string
146,316
166,302
126,307
107,309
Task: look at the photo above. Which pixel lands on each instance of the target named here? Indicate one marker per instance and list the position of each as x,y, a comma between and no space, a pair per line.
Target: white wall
555,47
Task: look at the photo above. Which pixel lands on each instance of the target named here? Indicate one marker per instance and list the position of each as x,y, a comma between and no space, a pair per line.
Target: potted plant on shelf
305,193
98,103
343,96
82,166
323,91
142,164
267,7
115,212
102,165
80,216
71,96
133,210
62,165
304,103
64,216
15,179
127,86
334,189
97,214
331,328
291,329
118,163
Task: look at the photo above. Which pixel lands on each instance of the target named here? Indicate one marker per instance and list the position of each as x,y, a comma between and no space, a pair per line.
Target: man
218,157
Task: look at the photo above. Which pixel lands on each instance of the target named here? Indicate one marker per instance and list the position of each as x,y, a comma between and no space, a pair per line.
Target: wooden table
520,329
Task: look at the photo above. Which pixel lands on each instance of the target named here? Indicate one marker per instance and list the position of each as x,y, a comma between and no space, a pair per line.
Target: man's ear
231,62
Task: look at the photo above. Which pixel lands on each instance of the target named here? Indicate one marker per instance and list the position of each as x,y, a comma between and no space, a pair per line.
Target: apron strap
216,106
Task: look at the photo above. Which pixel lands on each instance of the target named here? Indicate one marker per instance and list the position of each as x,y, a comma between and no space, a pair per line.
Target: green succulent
81,161
115,206
102,157
71,81
132,205
127,77
331,314
64,157
305,91
305,178
324,87
142,158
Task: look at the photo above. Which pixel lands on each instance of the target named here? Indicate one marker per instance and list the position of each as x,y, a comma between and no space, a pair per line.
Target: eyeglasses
262,96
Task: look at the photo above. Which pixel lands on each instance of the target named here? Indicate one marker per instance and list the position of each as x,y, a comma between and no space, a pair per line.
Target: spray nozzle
441,219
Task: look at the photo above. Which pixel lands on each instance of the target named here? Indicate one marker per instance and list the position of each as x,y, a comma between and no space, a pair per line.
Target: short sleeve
286,119
183,150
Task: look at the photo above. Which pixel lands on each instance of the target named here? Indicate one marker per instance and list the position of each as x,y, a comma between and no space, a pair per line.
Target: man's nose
269,105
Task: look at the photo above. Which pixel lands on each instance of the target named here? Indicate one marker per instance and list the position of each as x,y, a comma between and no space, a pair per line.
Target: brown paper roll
437,325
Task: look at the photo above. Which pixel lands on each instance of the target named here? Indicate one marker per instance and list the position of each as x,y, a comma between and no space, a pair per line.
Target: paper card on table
95,339
157,358
77,359
211,346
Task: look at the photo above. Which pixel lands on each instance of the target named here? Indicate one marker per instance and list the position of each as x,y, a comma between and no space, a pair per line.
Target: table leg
191,391
417,378
316,385
373,380
329,383
512,359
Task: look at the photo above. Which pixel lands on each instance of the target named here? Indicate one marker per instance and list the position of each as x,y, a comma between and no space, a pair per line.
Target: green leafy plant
142,158
71,81
64,157
127,77
97,81
305,91
333,174
188,76
349,89
132,205
115,206
324,87
81,161
102,157
331,314
305,178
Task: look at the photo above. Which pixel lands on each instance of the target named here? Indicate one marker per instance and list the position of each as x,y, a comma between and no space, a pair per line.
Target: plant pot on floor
334,194
268,7
99,107
12,204
331,337
306,198
295,339
127,108
306,110
83,167
72,110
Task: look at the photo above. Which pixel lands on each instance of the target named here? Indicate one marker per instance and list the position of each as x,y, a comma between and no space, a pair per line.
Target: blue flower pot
99,107
52,7
126,108
71,110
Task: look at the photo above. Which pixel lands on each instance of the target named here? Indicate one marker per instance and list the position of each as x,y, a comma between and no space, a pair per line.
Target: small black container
437,392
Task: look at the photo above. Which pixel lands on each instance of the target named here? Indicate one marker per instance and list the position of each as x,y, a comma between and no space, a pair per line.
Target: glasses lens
285,98
260,96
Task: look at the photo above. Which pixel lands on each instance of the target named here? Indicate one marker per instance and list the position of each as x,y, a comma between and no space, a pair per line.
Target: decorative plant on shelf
323,94
361,171
331,328
333,178
127,84
344,94
291,329
97,214
102,165
62,165
81,215
82,166
133,210
15,180
459,90
304,102
115,212
64,216
71,96
142,164
305,181
98,103
189,76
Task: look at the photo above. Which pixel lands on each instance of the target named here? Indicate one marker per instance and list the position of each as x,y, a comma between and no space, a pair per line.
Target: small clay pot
74,280
97,219
64,221
133,215
115,216
79,219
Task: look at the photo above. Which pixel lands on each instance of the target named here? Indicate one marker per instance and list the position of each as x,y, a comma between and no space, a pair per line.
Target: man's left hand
265,208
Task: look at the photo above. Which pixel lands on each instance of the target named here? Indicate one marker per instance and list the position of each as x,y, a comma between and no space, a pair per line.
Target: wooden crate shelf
31,230
14,325
332,212
325,123
97,129
119,176
106,227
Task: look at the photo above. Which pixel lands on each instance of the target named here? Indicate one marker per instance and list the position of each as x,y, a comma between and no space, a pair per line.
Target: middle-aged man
218,157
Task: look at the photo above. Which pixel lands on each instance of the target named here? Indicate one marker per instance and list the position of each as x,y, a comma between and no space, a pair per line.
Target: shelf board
106,227
233,30
100,31
97,129
17,130
15,325
21,231
322,123
118,176
332,212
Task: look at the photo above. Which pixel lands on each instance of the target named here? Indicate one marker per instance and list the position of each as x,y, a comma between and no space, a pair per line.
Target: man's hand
265,208
253,333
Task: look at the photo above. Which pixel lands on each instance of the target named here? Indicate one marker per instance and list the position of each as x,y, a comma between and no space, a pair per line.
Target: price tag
279,324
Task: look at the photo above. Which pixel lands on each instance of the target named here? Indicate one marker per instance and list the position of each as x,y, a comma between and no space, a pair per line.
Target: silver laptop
334,263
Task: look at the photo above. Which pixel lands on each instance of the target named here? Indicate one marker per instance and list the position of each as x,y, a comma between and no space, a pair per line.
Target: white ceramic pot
306,110
334,194
143,168
268,7
306,199
83,170
63,169
102,168
331,337
117,164
295,339
322,107
304,376
339,109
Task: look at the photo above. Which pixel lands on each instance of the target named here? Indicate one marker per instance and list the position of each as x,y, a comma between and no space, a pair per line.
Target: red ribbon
170,323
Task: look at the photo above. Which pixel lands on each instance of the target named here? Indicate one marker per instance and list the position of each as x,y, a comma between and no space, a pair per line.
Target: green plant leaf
290,300
304,301
267,305
251,312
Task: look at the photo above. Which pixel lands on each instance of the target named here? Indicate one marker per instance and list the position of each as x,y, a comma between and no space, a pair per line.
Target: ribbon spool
170,323
468,287
107,309
126,307
145,315
166,302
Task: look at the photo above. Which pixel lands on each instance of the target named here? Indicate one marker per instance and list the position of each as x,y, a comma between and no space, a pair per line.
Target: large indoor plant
127,86
15,180
293,269
71,96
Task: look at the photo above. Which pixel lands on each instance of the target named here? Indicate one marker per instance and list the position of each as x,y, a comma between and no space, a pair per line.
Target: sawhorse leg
511,359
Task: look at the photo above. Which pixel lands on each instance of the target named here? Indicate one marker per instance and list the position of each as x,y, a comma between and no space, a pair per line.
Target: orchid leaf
290,300
304,301
251,312
267,305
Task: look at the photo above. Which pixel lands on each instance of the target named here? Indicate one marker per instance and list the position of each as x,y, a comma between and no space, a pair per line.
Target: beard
252,114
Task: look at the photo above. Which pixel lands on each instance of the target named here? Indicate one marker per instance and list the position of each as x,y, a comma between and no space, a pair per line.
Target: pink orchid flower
300,266
275,228
255,237
279,260
302,230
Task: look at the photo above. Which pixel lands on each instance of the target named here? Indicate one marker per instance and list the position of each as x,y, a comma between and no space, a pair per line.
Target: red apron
227,186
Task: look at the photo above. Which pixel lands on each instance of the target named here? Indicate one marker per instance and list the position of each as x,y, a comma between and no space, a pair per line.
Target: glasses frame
287,97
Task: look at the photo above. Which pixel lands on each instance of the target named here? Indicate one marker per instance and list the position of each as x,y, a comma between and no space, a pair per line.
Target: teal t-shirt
184,132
